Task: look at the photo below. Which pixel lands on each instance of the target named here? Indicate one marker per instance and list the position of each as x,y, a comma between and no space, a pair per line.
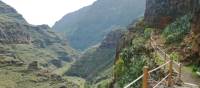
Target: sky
39,12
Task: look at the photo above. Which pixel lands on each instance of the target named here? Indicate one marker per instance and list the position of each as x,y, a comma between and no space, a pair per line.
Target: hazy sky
46,11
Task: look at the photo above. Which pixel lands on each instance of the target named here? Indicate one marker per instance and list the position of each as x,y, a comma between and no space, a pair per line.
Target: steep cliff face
159,13
111,40
195,34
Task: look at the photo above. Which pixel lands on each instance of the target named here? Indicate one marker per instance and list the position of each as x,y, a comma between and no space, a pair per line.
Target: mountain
88,26
30,54
95,64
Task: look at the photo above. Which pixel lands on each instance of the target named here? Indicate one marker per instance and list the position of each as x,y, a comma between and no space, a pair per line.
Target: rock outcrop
195,28
13,33
159,13
33,66
112,39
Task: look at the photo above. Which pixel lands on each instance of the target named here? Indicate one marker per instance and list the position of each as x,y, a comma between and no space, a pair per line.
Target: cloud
46,11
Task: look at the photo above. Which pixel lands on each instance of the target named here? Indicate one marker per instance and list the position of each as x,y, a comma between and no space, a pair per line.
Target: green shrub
119,67
175,32
138,43
147,32
134,59
158,60
175,56
132,70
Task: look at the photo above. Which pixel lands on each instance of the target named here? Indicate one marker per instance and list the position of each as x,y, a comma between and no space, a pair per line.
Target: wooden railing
168,77
146,74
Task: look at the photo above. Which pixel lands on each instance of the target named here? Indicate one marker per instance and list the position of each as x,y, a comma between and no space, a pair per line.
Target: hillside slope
87,26
29,53
16,33
95,64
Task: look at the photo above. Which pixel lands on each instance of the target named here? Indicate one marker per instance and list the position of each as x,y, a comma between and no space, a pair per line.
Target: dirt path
188,76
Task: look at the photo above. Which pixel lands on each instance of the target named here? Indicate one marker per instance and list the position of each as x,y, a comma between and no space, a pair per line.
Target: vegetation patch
176,31
131,62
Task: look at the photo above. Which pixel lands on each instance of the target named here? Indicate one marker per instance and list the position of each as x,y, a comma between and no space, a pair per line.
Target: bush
175,32
175,56
196,68
131,71
133,59
147,32
119,67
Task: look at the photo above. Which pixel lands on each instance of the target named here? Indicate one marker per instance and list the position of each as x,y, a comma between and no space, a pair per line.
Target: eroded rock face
160,13
195,28
14,36
12,26
111,40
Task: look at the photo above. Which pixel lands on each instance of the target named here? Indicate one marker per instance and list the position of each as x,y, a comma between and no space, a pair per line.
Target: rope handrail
161,81
165,54
143,74
176,63
175,70
134,81
159,67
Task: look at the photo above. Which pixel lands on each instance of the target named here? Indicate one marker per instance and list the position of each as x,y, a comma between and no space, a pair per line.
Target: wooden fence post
180,67
170,74
145,77
165,60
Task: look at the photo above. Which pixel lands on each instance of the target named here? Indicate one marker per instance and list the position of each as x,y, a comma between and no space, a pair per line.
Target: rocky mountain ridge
88,26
